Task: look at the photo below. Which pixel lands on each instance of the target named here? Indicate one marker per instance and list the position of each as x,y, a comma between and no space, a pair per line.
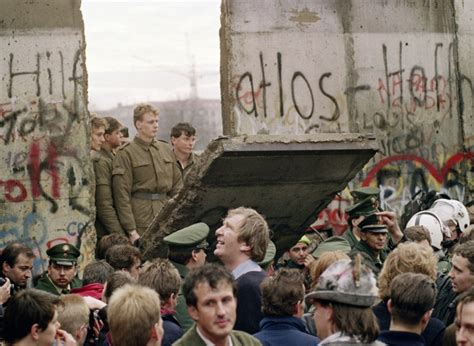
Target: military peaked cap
189,237
64,254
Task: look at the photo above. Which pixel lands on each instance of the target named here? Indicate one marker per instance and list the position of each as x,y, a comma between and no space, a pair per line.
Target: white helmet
452,210
433,223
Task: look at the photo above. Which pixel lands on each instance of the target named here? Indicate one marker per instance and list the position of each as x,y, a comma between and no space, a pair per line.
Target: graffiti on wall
44,180
412,105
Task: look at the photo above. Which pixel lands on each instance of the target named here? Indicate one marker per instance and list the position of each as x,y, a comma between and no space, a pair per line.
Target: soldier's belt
149,196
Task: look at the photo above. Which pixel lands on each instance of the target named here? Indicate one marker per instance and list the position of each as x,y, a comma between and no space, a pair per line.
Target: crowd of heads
333,282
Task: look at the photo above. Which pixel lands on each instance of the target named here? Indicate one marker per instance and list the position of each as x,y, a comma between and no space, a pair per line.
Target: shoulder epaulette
124,146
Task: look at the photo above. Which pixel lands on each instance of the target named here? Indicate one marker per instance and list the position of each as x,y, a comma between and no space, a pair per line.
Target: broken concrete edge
226,80
189,194
153,236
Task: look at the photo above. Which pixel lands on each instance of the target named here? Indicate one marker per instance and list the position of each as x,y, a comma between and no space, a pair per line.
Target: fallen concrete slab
287,178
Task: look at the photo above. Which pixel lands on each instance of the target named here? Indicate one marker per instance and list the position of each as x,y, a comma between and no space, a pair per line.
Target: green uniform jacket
182,314
106,221
191,337
193,160
375,263
351,238
144,168
45,284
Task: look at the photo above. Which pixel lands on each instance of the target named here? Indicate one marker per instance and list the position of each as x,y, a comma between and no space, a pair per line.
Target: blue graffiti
22,231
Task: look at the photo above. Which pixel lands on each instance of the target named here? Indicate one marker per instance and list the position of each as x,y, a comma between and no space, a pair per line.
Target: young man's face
322,320
465,324
215,310
48,336
97,138
461,276
147,128
298,253
21,270
183,144
375,241
61,275
228,246
135,268
114,139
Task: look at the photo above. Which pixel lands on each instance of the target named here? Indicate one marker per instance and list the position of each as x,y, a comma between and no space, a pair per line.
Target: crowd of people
377,284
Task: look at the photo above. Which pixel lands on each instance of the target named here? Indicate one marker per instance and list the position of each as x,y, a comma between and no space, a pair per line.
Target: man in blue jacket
282,306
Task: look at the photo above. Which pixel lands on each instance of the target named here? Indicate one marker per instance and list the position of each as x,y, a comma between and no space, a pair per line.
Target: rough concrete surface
287,178
45,175
398,69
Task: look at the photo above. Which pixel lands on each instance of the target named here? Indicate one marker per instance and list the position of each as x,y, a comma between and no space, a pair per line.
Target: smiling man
144,174
242,242
210,293
62,270
461,278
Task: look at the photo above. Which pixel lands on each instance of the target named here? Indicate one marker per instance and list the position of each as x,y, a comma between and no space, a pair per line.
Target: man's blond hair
132,313
141,109
406,258
97,122
253,231
73,314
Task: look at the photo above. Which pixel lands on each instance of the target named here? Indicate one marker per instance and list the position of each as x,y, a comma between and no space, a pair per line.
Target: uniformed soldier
267,263
144,174
183,139
62,270
334,243
373,244
366,202
187,250
106,221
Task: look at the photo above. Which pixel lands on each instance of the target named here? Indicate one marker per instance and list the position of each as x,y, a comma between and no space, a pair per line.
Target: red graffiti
435,173
56,241
333,216
15,191
35,169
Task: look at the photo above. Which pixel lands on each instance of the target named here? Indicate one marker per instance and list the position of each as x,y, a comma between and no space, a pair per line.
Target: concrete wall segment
398,69
45,178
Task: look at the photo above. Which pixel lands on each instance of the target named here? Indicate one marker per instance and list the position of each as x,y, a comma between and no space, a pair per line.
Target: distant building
204,115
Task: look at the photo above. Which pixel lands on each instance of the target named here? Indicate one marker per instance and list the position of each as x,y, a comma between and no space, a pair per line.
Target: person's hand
64,338
308,260
389,219
5,291
133,236
94,304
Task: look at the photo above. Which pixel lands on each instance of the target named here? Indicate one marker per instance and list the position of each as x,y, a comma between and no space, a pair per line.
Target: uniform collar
107,153
145,145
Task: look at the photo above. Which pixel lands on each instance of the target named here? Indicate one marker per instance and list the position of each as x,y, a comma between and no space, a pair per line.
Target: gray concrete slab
287,178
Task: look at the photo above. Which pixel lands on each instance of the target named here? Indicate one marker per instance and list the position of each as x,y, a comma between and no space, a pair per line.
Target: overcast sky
143,50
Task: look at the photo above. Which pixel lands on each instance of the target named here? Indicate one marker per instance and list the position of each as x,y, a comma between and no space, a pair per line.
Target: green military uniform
334,243
185,241
238,338
372,259
106,221
45,284
62,254
193,160
366,202
269,256
144,177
